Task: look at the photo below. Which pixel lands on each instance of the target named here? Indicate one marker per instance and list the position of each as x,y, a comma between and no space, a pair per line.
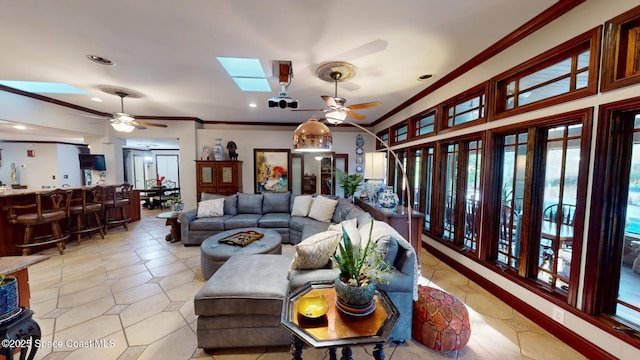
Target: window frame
476,91
613,49
588,40
393,133
414,124
384,135
608,211
526,274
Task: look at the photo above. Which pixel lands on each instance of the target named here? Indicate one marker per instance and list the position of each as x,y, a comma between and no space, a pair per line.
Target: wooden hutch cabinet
218,177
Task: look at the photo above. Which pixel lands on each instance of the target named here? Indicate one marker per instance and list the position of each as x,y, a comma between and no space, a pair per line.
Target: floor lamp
314,136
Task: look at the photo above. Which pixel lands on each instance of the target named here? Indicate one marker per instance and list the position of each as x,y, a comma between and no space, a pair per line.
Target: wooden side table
20,332
397,218
172,221
335,329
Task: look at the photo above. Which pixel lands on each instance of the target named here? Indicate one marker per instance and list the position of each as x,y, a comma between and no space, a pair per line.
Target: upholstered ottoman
240,305
213,253
440,320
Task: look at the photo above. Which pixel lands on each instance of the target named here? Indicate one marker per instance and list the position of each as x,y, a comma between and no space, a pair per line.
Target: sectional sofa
273,211
286,214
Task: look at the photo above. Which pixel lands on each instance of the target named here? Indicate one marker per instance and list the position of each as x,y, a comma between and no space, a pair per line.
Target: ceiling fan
337,109
122,121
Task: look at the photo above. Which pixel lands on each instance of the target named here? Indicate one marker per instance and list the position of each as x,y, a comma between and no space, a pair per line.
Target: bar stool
51,207
118,198
92,203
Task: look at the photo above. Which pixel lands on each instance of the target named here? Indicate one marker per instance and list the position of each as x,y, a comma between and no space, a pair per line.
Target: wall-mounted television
92,162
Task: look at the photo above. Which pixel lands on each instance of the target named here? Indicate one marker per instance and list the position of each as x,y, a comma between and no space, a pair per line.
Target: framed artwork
271,170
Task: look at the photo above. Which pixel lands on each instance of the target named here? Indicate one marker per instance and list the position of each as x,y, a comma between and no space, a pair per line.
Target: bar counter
12,233
17,266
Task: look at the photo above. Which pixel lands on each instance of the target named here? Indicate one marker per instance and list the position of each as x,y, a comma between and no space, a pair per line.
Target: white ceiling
166,49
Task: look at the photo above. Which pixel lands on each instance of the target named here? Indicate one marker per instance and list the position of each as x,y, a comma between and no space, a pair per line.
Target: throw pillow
315,251
301,205
385,238
210,208
322,209
351,227
275,203
230,202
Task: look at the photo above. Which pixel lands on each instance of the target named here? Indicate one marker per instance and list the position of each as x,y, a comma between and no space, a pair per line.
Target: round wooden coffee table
213,253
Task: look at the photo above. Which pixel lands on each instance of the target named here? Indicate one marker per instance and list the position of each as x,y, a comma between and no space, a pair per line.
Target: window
428,173
564,73
621,51
615,213
400,133
539,197
559,78
384,136
462,193
514,157
466,110
424,124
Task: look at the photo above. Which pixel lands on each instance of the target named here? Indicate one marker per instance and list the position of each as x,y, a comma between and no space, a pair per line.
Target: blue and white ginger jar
388,199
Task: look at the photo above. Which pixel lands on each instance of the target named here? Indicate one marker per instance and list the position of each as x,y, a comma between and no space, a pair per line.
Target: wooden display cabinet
218,177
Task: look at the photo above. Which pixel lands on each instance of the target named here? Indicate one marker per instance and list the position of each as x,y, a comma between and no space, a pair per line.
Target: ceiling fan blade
356,115
365,105
144,123
329,100
139,127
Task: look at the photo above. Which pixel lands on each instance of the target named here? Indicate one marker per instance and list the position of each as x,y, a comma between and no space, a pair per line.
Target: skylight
42,87
247,73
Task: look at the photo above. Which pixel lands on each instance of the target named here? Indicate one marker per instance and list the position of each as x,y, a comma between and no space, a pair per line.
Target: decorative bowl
313,306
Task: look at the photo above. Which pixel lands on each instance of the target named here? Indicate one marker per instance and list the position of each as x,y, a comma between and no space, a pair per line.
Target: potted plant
349,183
8,296
360,269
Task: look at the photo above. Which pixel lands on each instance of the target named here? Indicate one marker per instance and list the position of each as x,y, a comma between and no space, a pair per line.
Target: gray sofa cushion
245,284
242,221
249,203
209,224
230,202
275,202
298,222
274,220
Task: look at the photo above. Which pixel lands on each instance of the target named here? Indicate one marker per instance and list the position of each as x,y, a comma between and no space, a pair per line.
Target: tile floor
130,296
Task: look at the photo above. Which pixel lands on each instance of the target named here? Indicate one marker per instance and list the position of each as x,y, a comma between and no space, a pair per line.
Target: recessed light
425,77
19,127
96,99
253,105
100,60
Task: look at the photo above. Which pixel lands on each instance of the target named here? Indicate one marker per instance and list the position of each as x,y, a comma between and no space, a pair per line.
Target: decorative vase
353,298
218,150
388,199
8,297
372,189
176,208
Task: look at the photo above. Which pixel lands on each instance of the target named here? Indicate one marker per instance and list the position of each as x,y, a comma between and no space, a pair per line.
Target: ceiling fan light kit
337,111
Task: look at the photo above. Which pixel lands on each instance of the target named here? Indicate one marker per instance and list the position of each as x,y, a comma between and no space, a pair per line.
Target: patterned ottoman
440,321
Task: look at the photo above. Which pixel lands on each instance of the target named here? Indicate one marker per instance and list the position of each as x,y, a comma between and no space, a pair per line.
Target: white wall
37,172
247,139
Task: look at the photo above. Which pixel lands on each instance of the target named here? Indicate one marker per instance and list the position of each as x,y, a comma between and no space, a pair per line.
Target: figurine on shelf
206,151
13,174
232,147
